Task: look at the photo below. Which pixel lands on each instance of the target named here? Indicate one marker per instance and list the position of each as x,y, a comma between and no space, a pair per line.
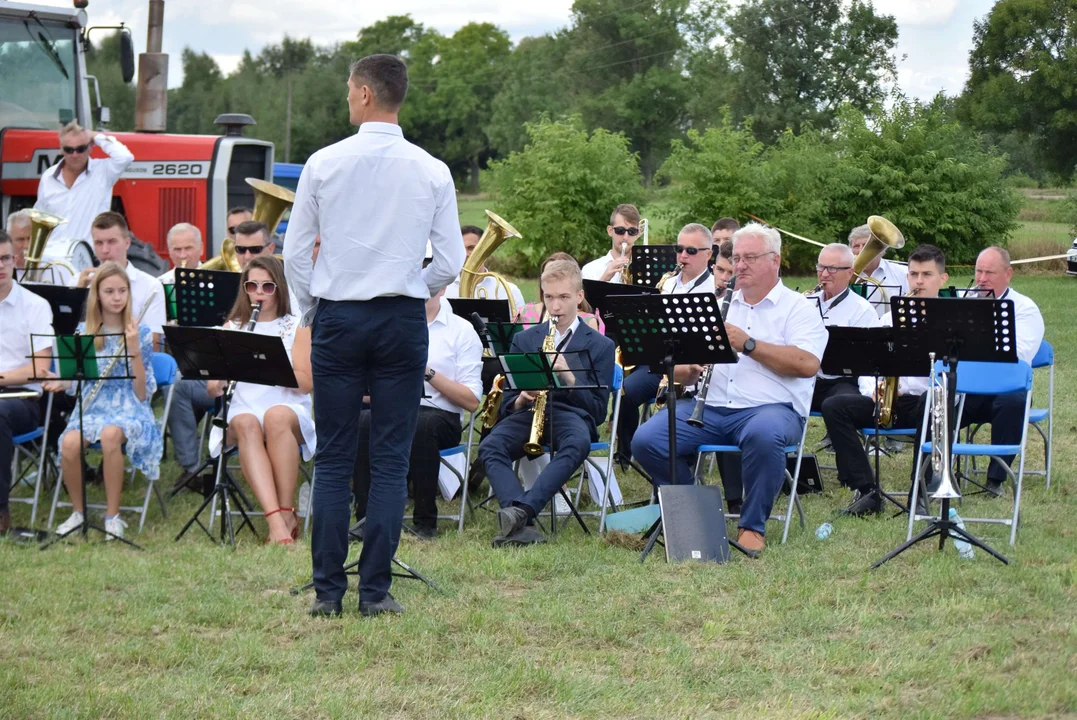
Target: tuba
270,203
41,226
497,232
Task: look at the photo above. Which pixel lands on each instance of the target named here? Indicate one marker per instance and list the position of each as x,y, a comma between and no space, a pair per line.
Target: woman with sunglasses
623,231
271,425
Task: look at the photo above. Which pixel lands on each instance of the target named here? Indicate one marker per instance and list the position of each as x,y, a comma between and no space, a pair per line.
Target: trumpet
221,420
533,446
696,419
626,269
940,434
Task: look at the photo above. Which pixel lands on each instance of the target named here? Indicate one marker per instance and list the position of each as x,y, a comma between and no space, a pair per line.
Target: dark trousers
17,416
1005,413
436,430
571,441
380,344
639,387
846,415
826,388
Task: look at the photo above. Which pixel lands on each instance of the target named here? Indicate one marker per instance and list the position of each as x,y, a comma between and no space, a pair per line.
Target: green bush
560,189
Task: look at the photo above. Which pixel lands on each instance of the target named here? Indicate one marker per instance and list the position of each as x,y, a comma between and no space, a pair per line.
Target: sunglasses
252,249
68,150
632,232
692,251
266,288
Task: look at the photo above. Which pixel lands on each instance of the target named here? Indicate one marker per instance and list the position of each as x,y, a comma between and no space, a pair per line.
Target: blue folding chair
32,448
981,378
465,450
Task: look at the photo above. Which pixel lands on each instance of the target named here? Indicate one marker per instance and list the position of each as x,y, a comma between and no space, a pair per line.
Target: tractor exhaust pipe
151,95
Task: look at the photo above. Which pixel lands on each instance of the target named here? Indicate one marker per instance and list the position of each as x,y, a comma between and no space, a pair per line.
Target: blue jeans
639,387
760,432
380,345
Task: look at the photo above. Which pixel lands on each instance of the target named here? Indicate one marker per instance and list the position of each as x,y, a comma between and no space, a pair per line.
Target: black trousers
17,416
846,415
1005,413
436,430
826,388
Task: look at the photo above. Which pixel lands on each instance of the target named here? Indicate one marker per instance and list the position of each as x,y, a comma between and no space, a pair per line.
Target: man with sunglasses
252,238
623,231
79,188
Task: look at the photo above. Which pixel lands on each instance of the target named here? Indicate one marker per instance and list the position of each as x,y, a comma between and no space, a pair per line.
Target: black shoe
5,522
386,605
623,461
993,489
510,519
425,533
355,532
475,475
865,502
527,535
187,480
734,505
325,608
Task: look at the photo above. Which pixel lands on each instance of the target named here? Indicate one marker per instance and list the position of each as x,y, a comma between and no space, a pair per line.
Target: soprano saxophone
533,446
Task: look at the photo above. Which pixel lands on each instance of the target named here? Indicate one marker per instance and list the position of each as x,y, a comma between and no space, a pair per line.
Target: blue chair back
618,378
1045,356
164,369
988,378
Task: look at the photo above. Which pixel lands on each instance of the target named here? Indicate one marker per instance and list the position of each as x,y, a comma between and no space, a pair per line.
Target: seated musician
623,231
722,230
116,413
453,387
574,415
21,313
893,276
20,230
534,313
723,268
488,287
693,253
184,250
253,238
846,415
271,425
841,307
1006,411
758,403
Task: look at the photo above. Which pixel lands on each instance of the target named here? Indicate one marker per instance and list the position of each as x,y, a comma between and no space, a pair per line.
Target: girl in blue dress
120,411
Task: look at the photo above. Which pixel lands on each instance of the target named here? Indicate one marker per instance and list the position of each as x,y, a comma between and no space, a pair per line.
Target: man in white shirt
623,231
893,276
21,313
184,250
110,242
1004,412
375,199
487,288
79,188
759,403
453,386
846,415
20,229
841,307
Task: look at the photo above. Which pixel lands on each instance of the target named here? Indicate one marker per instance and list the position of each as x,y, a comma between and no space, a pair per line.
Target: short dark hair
386,76
929,253
4,237
726,223
629,212
471,230
250,227
108,220
726,249
239,209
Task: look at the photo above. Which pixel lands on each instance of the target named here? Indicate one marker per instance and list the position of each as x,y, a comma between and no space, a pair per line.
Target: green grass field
575,628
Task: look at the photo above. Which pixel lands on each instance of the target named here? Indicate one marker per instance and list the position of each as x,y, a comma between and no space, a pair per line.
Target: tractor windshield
38,73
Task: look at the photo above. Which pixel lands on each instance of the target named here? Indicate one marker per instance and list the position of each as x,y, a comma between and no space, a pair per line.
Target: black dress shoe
993,489
510,519
425,533
5,521
527,535
325,608
734,506
187,480
865,502
387,604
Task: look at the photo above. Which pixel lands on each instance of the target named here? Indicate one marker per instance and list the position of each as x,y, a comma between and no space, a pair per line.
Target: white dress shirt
169,278
594,269
1028,323
376,200
676,285
850,311
558,336
490,289
456,354
146,288
90,194
891,275
783,317
21,313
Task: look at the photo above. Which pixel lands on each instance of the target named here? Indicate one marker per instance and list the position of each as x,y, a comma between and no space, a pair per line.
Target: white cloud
917,12
227,63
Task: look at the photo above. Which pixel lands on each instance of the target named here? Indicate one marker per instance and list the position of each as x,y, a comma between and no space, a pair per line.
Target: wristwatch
749,346
430,374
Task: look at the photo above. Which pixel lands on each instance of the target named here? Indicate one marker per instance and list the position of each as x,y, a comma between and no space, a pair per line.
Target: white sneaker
114,526
303,506
560,505
70,524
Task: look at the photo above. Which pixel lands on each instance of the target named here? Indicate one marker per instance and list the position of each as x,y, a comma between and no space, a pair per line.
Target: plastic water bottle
964,549
823,531
304,500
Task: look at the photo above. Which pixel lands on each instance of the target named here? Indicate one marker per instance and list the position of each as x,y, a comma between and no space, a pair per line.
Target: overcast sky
935,35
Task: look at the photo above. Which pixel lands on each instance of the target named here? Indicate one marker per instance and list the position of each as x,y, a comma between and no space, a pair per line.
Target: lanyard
837,301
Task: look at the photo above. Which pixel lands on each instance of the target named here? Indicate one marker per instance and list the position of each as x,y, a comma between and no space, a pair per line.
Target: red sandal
295,531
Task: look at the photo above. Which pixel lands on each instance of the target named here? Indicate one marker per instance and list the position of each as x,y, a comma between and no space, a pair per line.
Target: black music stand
875,294
77,361
67,303
204,297
171,304
488,310
982,330
661,331
651,262
967,293
210,353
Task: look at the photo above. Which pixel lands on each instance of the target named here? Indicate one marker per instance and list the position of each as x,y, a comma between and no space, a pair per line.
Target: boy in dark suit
576,414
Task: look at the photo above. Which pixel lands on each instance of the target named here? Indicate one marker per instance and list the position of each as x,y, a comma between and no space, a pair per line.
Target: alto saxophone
533,446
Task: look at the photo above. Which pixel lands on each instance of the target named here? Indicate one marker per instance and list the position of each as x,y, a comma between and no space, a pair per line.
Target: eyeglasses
692,251
266,288
252,249
632,232
7,259
68,150
832,268
748,259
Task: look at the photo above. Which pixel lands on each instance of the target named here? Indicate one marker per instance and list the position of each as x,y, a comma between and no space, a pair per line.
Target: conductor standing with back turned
376,200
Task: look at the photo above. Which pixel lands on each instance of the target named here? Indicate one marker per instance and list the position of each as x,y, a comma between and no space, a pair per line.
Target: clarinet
696,419
221,421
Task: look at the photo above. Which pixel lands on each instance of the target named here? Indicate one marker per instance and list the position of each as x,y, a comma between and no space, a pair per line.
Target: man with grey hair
761,402
79,188
840,306
893,276
19,227
184,249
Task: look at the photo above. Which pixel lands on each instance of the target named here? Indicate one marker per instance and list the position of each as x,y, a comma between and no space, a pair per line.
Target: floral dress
116,404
